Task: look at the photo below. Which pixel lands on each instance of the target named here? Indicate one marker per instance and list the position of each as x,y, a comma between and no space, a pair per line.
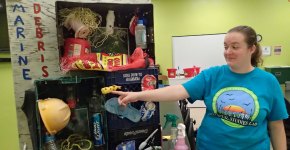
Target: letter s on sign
45,72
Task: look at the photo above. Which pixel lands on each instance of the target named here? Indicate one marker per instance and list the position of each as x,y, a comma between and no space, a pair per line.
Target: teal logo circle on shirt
236,106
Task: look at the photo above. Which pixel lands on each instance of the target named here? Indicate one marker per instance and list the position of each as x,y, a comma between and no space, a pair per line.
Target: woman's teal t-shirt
238,107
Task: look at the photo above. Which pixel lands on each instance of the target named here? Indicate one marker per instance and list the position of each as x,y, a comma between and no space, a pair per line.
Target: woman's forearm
277,134
166,94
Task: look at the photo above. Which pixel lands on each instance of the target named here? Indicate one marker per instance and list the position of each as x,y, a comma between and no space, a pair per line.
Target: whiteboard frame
186,36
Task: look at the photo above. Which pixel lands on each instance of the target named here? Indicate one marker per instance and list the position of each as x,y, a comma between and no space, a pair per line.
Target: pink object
171,73
188,72
180,145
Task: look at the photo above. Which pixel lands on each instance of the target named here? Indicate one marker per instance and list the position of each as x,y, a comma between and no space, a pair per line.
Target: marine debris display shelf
34,48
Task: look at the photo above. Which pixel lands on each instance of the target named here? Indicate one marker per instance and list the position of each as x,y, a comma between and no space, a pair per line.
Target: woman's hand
166,94
126,97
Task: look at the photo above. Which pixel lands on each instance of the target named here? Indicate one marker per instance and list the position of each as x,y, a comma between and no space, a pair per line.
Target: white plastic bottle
140,35
110,22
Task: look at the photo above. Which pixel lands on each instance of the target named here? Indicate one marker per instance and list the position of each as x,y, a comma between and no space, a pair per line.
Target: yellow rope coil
75,141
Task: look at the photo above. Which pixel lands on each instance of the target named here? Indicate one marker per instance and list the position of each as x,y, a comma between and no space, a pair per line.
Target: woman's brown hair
250,39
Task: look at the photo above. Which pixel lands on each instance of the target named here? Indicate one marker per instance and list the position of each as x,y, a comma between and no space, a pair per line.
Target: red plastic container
171,73
76,47
197,70
188,72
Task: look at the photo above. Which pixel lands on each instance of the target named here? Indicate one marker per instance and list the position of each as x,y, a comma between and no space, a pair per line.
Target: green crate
281,73
43,88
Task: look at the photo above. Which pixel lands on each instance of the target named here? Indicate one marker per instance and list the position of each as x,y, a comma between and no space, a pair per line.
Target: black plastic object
139,134
287,123
55,88
29,110
191,135
147,63
187,120
5,59
183,108
129,76
287,103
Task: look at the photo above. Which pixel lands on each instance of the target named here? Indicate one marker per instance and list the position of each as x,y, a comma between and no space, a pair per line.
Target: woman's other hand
126,97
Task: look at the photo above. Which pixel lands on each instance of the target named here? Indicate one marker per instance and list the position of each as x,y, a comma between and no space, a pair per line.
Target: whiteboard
202,51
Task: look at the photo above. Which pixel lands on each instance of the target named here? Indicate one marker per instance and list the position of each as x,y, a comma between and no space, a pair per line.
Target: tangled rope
85,15
75,141
92,20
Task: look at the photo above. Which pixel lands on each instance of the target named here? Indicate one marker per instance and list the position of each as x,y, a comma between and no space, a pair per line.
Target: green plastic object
281,73
170,118
84,86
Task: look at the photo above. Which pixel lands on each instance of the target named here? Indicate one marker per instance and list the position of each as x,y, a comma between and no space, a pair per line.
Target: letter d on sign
37,8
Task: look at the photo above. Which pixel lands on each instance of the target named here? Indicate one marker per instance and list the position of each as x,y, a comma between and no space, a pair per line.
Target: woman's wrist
139,95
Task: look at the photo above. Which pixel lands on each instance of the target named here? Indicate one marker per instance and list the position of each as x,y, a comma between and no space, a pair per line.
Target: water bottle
49,142
110,22
71,100
95,101
140,35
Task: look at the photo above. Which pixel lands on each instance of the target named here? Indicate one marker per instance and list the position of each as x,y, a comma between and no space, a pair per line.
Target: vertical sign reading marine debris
34,49
20,34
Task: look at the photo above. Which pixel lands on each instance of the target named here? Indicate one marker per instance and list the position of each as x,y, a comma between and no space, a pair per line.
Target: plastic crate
55,88
114,122
129,76
121,78
139,135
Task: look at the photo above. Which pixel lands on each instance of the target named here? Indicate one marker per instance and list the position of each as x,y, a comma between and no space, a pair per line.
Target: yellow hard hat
55,114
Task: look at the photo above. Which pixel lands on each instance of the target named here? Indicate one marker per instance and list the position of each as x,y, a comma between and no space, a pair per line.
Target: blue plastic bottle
49,141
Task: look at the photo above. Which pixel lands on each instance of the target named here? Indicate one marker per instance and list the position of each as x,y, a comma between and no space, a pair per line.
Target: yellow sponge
109,89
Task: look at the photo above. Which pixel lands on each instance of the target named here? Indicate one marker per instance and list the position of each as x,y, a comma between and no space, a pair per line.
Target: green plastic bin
54,86
281,73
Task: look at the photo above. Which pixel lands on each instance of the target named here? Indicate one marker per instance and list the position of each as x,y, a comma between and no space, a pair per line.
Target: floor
198,114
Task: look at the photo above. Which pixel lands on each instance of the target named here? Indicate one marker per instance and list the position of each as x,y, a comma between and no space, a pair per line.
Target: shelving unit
115,129
123,15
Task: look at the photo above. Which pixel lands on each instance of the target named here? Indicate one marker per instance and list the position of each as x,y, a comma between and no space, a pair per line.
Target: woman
241,99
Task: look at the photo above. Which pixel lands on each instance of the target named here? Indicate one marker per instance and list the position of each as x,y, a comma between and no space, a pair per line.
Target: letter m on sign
16,6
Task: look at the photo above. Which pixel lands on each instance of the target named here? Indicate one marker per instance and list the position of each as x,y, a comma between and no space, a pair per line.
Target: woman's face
236,50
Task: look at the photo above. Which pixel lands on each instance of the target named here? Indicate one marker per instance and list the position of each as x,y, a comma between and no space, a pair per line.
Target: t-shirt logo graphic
236,106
